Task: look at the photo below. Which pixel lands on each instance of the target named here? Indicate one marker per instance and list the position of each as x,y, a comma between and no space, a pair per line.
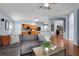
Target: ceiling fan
46,6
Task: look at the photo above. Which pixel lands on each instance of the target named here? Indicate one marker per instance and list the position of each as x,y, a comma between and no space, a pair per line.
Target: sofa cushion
9,51
27,45
28,37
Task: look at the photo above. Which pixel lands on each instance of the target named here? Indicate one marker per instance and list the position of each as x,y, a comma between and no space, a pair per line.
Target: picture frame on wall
6,25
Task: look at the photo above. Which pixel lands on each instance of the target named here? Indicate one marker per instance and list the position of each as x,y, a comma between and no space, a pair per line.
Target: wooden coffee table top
39,51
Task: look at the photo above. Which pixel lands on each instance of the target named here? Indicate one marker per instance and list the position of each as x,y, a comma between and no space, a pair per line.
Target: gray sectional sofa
27,42
10,51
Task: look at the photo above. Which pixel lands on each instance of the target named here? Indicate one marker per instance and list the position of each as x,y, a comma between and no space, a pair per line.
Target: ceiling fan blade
40,7
49,8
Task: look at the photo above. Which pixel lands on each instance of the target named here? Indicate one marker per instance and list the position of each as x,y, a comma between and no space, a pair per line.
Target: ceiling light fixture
46,5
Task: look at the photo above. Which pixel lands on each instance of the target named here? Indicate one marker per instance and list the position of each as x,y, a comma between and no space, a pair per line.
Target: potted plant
46,45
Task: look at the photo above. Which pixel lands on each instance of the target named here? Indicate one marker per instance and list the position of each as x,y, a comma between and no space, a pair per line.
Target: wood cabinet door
5,40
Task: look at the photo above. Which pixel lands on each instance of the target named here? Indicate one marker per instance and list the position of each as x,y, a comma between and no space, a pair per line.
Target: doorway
57,24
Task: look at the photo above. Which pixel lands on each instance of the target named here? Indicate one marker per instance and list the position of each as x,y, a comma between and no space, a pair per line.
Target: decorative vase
46,50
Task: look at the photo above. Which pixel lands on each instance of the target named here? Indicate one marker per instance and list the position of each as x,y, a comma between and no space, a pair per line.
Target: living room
24,27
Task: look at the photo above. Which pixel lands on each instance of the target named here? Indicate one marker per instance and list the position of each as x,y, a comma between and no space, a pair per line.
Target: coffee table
59,51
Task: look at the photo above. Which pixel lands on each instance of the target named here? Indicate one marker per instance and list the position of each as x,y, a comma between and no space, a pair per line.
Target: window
44,27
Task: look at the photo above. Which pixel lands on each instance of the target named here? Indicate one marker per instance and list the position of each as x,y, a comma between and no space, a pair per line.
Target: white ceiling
29,11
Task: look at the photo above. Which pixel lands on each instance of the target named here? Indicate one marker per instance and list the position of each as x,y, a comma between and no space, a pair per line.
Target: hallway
71,49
